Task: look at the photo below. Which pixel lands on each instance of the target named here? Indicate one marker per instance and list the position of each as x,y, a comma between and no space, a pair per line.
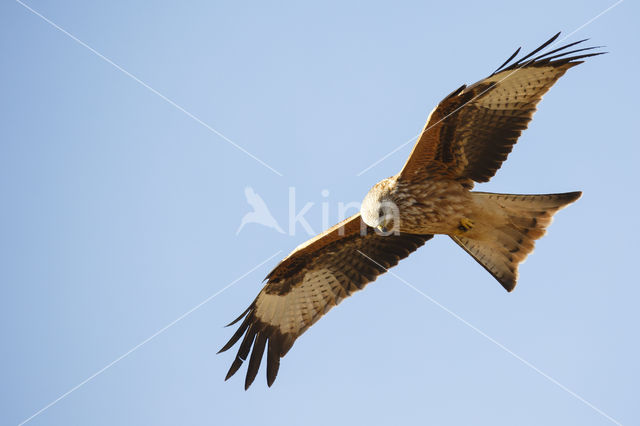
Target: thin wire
144,342
128,74
494,341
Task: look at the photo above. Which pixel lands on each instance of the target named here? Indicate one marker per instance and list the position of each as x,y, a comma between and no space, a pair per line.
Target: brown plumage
309,282
466,139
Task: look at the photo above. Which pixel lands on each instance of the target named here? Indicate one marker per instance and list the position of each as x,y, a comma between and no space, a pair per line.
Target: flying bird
467,137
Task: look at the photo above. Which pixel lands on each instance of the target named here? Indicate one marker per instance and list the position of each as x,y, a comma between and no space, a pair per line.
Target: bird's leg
466,225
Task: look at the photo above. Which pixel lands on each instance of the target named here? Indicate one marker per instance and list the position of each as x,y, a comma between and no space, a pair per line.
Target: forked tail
525,219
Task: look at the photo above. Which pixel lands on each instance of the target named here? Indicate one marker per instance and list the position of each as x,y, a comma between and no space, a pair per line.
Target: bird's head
378,209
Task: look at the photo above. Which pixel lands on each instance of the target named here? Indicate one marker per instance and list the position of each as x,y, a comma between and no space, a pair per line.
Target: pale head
378,209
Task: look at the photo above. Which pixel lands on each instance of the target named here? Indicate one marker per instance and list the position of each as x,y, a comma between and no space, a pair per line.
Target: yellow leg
465,225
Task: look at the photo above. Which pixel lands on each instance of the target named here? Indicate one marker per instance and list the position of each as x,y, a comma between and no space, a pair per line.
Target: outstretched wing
314,278
471,132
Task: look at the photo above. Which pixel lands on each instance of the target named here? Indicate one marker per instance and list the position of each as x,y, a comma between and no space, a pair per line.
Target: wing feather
256,357
314,278
472,131
273,358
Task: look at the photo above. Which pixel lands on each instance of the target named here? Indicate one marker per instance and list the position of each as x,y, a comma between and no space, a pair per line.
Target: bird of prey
466,139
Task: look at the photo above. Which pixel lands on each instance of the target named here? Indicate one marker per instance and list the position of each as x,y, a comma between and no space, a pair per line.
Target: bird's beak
382,228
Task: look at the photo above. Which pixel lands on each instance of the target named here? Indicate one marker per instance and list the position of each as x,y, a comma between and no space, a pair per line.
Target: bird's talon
465,224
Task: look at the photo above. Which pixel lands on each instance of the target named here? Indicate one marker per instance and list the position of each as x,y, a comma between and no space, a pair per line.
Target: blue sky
120,211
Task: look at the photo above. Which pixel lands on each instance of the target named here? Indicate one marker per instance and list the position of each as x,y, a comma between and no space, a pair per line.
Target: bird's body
498,230
466,139
428,206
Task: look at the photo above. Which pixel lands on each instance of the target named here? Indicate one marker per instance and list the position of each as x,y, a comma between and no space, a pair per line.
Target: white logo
260,214
297,215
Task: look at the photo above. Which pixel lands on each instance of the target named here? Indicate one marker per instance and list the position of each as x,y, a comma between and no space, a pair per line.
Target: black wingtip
556,57
242,315
238,334
235,366
545,44
508,60
255,359
273,357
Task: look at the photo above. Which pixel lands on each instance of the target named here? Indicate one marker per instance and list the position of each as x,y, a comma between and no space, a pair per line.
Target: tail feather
524,219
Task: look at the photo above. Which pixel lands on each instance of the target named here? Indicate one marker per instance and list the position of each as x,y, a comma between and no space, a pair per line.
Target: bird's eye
380,213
